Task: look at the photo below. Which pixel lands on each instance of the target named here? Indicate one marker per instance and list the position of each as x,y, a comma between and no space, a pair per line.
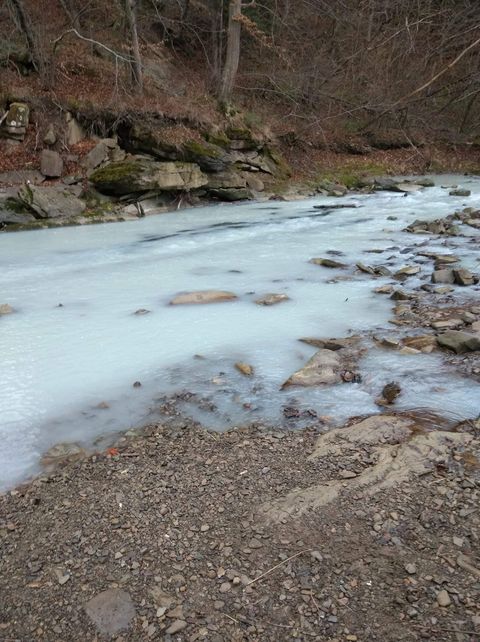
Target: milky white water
59,363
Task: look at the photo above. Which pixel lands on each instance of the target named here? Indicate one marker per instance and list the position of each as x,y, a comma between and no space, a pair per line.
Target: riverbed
74,347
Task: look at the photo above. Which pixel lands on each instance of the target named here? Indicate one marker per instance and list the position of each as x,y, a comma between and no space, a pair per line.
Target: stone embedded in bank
136,175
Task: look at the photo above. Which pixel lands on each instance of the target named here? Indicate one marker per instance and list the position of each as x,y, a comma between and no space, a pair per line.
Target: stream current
74,342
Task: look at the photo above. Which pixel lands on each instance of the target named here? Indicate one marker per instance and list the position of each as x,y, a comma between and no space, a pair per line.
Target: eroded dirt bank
370,532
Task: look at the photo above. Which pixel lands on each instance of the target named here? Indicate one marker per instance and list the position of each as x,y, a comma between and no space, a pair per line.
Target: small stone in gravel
225,587
411,569
111,611
177,626
254,543
443,598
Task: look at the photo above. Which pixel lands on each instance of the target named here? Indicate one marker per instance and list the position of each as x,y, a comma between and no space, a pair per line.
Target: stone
400,295
140,175
16,121
443,276
226,180
424,343
322,369
443,598
272,299
97,155
408,270
5,308
255,183
74,131
460,192
411,568
62,452
244,368
51,163
463,277
231,194
21,176
15,218
331,344
329,263
176,627
447,324
50,137
365,268
50,202
203,296
384,289
459,342
111,611
390,392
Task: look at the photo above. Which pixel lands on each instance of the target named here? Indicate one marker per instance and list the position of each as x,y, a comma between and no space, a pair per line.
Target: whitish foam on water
59,362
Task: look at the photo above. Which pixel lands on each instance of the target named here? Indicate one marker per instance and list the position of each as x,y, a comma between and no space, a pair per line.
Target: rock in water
272,299
463,277
203,296
330,263
111,611
5,308
390,392
323,368
460,192
244,368
459,342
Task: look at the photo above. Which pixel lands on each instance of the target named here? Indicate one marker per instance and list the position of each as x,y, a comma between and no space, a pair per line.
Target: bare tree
40,59
131,14
232,55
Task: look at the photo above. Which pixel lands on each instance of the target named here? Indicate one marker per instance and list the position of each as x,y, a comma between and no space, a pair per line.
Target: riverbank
367,533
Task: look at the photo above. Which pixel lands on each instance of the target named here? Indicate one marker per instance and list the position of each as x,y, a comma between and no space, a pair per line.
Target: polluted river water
73,348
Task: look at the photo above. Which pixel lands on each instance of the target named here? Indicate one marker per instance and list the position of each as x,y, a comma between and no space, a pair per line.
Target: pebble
177,626
443,598
411,569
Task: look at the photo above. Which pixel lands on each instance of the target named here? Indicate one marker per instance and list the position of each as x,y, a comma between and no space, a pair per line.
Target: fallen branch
117,55
307,550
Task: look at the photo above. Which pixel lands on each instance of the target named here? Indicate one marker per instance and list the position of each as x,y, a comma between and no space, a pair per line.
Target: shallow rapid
74,347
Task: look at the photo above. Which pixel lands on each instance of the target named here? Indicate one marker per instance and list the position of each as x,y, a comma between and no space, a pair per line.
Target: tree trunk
232,57
130,10
40,59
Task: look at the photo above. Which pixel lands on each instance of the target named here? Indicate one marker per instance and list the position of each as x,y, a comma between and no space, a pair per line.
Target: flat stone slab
111,611
203,296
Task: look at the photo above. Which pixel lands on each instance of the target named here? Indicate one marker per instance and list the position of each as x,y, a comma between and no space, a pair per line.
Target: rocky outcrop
140,175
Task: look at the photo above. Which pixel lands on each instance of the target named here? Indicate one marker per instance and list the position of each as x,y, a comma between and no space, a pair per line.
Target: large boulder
138,175
50,202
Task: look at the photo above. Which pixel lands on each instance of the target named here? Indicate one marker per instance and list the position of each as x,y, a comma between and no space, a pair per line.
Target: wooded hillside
386,72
